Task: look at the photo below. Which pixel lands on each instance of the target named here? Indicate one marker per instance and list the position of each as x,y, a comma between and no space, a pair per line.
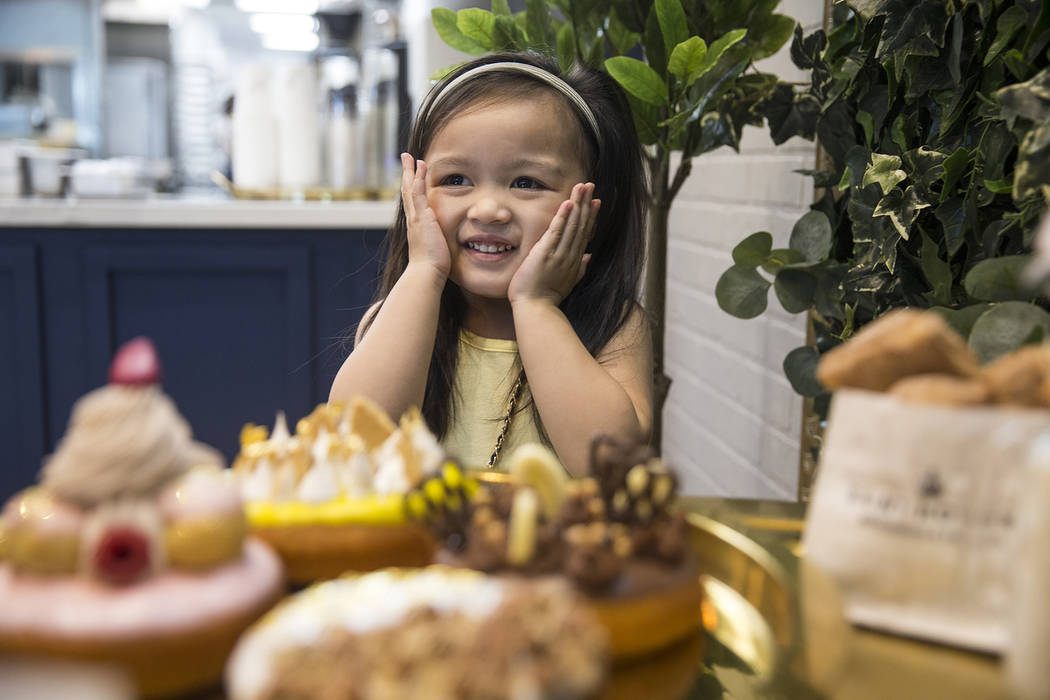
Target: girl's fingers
563,245
407,176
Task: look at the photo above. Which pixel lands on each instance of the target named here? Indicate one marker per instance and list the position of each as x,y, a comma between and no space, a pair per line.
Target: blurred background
315,93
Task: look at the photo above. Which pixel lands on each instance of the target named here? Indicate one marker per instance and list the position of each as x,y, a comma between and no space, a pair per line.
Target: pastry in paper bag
913,511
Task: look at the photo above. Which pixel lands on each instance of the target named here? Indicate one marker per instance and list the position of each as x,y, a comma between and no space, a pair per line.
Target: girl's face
496,176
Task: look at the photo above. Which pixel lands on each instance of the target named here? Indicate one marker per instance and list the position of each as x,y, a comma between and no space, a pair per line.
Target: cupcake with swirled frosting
133,548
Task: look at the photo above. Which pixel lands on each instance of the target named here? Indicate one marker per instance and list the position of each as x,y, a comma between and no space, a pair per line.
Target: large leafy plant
687,67
935,119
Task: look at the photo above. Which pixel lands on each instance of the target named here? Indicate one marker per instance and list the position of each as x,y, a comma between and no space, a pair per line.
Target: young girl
507,308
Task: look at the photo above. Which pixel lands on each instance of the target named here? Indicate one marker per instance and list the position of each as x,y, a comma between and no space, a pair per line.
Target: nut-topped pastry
423,633
612,534
132,549
330,497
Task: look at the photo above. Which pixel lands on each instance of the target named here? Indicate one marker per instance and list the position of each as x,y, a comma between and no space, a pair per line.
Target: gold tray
310,194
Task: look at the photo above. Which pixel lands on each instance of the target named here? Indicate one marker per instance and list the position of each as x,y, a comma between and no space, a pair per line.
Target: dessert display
612,534
330,498
132,550
424,633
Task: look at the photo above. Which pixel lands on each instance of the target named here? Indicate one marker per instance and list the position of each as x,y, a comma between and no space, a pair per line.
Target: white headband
554,81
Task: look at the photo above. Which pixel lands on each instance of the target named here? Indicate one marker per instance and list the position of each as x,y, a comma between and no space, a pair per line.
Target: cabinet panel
233,326
21,380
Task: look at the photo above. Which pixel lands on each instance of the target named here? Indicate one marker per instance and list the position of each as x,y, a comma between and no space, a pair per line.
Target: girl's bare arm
577,395
390,361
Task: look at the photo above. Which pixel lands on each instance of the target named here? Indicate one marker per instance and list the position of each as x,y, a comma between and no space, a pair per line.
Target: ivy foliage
935,117
681,62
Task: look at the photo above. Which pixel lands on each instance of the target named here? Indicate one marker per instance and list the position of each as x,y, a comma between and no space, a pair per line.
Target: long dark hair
601,302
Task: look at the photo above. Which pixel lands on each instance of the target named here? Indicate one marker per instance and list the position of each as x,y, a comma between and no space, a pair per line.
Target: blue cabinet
246,323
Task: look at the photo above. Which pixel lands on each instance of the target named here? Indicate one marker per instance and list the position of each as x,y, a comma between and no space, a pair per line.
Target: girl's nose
488,207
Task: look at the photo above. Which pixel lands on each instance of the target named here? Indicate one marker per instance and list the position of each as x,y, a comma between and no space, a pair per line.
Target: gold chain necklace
515,393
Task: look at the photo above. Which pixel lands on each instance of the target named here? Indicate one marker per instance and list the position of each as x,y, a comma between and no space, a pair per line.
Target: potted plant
935,120
684,65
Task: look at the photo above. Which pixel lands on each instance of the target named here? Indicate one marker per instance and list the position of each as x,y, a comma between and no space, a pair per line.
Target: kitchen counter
194,212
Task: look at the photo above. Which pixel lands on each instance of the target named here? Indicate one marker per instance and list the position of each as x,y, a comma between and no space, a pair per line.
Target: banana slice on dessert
536,466
521,528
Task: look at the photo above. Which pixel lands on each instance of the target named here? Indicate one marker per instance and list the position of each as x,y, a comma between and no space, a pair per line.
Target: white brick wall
732,421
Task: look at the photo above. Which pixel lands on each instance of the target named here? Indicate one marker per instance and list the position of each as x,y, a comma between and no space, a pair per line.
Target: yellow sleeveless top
485,375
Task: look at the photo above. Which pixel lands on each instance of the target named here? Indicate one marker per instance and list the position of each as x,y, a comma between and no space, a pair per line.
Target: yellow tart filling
385,509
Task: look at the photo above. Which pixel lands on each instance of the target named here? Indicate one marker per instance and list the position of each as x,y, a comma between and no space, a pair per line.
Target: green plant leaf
938,273
687,58
884,170
952,216
566,46
998,279
955,166
1006,27
621,38
719,46
742,292
645,117
638,79
902,208
795,289
1032,170
1006,327
538,25
800,368
811,236
962,320
673,27
653,42
500,7
477,24
772,31
445,23
753,250
507,35
781,257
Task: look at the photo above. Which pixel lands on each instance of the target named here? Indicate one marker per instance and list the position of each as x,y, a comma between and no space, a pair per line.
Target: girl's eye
454,181
527,183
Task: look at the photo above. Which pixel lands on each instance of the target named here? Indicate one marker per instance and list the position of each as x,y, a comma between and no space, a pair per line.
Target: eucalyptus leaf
780,257
795,289
998,279
800,368
1006,327
961,320
742,292
638,79
811,236
753,250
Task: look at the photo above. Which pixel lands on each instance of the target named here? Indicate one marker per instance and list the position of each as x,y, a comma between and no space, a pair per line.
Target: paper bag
914,511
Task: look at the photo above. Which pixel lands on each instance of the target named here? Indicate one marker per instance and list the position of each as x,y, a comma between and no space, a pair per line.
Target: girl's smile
497,174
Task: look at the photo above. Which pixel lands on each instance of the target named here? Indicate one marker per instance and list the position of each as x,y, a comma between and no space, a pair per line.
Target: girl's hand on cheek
426,241
557,262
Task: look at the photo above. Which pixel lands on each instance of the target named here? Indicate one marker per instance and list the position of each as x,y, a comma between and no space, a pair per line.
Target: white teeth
488,247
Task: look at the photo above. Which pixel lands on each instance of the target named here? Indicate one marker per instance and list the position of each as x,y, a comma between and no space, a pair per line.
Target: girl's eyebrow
456,161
